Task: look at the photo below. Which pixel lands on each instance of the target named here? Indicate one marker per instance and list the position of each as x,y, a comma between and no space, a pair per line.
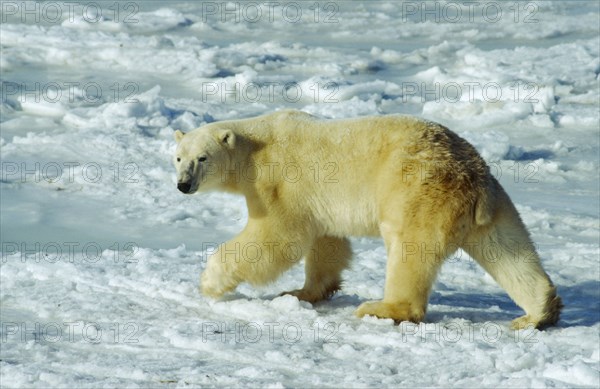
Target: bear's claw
398,311
311,296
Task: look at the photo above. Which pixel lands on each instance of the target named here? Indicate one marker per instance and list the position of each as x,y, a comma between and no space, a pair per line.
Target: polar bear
310,183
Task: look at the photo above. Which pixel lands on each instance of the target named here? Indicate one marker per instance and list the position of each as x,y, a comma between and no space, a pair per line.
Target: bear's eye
178,159
201,159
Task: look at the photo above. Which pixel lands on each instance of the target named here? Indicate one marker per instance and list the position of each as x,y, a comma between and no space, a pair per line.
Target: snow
101,255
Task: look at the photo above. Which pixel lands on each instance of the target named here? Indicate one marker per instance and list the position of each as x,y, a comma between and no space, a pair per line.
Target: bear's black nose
184,187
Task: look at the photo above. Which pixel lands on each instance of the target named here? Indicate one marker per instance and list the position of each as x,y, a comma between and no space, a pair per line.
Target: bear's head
202,157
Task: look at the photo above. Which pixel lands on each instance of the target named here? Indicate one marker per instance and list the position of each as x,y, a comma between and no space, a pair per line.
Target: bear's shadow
581,305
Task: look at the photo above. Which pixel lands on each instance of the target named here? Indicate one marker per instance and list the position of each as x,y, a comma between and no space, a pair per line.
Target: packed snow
101,255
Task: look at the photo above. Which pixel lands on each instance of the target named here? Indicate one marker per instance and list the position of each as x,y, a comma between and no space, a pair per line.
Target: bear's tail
484,207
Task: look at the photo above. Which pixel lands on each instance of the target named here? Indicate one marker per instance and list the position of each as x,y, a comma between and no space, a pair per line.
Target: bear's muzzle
184,187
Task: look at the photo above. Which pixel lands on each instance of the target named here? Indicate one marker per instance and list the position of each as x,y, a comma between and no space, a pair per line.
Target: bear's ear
227,138
178,135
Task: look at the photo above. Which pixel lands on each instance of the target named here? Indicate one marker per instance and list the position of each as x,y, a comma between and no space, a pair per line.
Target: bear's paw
398,311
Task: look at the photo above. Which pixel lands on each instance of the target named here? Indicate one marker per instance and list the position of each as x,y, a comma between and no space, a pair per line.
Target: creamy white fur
311,183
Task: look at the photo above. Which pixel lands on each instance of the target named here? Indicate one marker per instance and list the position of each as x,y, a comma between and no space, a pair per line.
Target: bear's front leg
218,277
257,256
323,267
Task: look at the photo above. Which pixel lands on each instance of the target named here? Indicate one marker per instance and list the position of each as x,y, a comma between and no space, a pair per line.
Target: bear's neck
246,165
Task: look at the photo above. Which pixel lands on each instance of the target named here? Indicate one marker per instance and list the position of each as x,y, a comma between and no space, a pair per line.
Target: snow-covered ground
101,255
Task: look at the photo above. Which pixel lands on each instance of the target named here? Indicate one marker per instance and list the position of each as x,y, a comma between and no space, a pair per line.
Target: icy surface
101,254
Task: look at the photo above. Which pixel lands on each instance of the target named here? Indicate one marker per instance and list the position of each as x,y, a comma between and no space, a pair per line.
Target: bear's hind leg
506,252
412,265
323,267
